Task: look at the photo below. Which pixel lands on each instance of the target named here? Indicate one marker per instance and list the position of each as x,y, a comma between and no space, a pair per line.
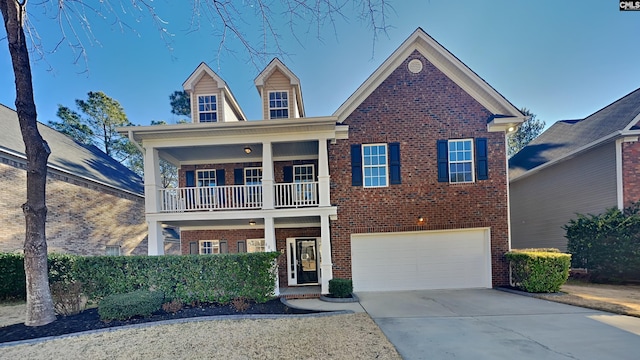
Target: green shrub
340,288
538,272
12,279
194,278
608,244
551,250
126,306
189,279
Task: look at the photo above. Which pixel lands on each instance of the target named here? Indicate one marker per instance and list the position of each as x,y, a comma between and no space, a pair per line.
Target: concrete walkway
491,324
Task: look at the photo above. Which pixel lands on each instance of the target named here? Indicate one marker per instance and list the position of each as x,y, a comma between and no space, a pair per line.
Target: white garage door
421,260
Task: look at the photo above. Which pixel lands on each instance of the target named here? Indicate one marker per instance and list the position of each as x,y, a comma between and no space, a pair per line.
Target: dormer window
207,108
278,104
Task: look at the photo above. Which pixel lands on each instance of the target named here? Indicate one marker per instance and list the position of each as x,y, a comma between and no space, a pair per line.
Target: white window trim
215,244
278,108
364,181
215,179
473,162
248,246
313,172
252,168
198,108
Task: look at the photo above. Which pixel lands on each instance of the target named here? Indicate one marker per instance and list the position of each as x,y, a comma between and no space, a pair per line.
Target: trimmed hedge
188,278
340,288
125,306
13,283
607,245
13,280
538,271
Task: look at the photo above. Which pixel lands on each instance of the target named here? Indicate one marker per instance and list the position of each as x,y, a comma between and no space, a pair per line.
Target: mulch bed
90,320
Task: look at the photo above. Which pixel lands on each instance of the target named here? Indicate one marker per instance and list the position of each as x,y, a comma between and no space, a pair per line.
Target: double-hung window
303,176
209,247
113,250
255,245
207,108
278,104
375,165
461,161
253,182
206,181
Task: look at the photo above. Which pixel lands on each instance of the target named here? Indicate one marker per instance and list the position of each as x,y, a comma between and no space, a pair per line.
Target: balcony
237,197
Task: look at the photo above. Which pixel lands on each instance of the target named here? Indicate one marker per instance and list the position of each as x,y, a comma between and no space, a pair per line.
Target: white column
267,177
155,240
270,245
151,180
326,265
323,173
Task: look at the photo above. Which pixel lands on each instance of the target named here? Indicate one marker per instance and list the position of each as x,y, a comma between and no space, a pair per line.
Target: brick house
576,166
403,187
95,204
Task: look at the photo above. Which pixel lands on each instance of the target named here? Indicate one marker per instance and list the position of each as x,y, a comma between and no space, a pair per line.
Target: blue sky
560,59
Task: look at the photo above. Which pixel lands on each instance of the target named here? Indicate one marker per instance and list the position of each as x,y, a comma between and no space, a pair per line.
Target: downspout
135,143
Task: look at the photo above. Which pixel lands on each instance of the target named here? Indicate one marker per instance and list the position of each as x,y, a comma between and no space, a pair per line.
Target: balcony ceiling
303,221
218,154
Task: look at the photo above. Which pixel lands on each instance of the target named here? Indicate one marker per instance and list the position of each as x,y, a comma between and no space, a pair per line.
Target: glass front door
302,261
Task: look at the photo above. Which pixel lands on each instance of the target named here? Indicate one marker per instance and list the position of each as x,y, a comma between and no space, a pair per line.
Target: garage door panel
421,260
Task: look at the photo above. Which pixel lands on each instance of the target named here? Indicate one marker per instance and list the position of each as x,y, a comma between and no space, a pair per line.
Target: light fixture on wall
420,220
252,222
511,129
247,150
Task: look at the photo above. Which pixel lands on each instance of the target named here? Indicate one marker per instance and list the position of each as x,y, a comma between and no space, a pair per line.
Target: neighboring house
577,166
403,187
95,204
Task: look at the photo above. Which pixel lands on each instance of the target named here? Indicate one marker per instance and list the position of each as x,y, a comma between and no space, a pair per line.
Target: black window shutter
288,174
394,163
356,165
238,176
191,178
443,161
482,160
220,177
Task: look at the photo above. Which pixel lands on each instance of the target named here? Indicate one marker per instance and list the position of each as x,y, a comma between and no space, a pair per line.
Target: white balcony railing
296,194
236,197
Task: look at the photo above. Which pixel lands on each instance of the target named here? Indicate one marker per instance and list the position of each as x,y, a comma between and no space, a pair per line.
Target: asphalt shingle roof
566,136
86,161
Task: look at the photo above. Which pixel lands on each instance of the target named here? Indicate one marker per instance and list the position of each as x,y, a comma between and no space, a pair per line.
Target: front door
302,261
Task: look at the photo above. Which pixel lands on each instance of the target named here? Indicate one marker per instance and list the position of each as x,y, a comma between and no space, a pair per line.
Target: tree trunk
40,309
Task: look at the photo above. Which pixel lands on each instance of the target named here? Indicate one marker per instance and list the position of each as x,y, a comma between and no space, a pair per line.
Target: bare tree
227,18
40,309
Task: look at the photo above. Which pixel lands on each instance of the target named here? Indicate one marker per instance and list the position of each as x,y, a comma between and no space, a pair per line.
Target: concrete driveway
491,324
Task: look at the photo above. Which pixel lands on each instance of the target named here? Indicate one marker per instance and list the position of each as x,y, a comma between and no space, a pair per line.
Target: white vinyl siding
545,201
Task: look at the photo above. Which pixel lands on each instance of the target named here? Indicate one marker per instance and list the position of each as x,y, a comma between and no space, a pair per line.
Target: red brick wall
631,172
233,236
416,110
82,218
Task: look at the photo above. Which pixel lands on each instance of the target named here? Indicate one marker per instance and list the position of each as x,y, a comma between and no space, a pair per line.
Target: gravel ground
351,336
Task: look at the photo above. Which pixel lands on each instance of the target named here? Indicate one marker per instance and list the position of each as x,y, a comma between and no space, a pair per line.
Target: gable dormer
280,92
211,98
